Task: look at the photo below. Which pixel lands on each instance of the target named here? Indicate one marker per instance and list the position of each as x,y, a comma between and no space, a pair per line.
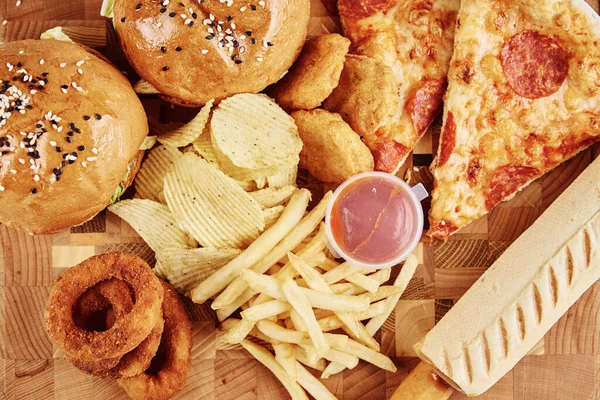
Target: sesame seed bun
73,129
183,47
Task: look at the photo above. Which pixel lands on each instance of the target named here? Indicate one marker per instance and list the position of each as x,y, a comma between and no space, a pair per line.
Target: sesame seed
42,61
253,7
90,159
209,37
165,68
34,191
4,22
242,9
191,23
165,3
83,164
36,178
68,139
98,116
178,48
138,6
172,14
212,17
21,161
62,65
53,143
194,15
163,49
80,63
18,3
13,171
58,149
86,117
80,71
95,150
163,10
259,59
204,51
33,91
123,19
238,61
229,18
81,148
232,25
187,21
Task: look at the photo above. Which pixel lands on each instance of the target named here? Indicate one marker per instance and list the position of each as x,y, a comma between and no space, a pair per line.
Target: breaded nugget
314,75
332,151
366,96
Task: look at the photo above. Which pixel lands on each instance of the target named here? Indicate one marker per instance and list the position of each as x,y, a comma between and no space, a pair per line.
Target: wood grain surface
565,365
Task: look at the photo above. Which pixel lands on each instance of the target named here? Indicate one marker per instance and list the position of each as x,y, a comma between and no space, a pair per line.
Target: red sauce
373,220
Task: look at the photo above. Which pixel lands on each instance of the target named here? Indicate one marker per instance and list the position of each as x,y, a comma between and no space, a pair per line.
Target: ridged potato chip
286,176
149,180
241,174
272,215
153,222
186,133
148,143
254,134
145,87
186,268
211,206
261,182
203,146
271,197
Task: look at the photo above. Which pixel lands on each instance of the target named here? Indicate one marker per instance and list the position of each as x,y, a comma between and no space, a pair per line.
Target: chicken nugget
332,151
366,96
314,75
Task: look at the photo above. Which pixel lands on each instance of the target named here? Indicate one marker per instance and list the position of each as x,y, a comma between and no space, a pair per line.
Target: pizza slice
412,39
523,97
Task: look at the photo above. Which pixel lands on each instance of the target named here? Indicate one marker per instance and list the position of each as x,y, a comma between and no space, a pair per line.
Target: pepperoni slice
506,181
448,140
359,9
389,155
535,65
425,103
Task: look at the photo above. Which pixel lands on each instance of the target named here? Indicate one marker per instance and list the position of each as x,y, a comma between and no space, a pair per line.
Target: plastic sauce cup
375,220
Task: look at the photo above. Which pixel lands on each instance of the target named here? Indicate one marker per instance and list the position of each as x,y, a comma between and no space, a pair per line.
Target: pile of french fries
308,308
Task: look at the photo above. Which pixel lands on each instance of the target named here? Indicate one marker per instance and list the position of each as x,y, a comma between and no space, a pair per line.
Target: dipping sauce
374,220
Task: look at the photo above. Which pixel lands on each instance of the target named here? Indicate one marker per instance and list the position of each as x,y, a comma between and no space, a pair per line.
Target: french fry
269,361
284,354
230,323
329,264
225,312
275,268
238,332
281,334
312,384
300,303
272,214
271,197
347,360
316,281
265,310
401,282
332,322
301,356
365,282
256,251
332,369
370,356
336,302
341,272
343,288
311,353
296,321
381,293
300,231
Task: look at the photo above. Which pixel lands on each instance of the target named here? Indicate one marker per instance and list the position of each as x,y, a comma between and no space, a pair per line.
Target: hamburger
70,131
192,51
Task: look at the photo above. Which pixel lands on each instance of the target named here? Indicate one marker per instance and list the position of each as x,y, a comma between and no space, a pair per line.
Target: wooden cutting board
565,365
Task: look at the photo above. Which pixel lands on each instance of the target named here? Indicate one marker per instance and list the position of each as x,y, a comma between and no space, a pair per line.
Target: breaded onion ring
128,331
169,368
97,310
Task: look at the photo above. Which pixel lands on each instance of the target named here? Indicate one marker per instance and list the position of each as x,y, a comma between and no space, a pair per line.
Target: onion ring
127,332
163,381
97,310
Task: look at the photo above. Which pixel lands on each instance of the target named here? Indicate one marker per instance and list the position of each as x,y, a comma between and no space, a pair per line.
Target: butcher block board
565,365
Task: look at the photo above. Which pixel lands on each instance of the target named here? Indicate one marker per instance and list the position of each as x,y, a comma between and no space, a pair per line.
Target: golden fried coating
366,96
332,151
314,75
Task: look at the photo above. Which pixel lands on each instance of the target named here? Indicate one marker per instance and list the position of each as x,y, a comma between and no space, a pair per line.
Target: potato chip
159,271
148,143
261,182
287,176
272,215
203,146
271,197
186,133
266,137
153,222
149,180
185,268
241,174
144,87
211,206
